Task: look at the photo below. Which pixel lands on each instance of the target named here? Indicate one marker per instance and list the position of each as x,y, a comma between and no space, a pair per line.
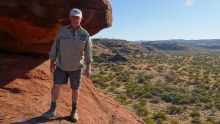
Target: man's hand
88,70
52,66
87,73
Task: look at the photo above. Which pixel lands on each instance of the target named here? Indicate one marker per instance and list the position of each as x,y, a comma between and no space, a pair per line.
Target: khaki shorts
61,77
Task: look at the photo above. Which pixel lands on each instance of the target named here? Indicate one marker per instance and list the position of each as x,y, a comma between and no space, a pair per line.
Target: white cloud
189,2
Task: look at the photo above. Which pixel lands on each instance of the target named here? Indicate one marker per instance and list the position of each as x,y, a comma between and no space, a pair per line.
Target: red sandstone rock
25,94
30,26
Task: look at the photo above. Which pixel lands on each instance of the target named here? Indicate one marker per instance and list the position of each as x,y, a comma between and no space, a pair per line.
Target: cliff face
30,26
25,94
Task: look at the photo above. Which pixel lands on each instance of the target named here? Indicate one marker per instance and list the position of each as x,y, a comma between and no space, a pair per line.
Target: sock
74,106
53,105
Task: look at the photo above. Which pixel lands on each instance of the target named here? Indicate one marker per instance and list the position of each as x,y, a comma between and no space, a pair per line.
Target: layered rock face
29,26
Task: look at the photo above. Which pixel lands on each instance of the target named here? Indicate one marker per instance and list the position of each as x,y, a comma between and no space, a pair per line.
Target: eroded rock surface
29,26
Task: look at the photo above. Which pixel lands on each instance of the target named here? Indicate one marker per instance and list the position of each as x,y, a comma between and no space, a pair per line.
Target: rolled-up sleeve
54,48
88,51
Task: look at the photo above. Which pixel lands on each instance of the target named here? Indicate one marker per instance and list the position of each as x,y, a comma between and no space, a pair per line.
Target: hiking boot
50,113
74,116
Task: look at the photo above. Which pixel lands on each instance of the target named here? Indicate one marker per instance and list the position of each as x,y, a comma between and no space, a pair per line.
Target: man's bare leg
55,91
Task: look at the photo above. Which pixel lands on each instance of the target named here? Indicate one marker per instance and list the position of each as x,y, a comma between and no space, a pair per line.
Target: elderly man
71,48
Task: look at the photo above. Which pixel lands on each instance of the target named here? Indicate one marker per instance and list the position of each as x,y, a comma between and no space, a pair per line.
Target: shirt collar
79,29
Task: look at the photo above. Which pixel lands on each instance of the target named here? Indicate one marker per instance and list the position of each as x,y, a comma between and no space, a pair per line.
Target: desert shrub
148,69
148,120
140,110
218,122
148,95
217,105
149,76
123,78
177,98
193,99
140,93
173,109
141,80
160,68
199,105
156,91
133,67
131,89
103,72
183,100
174,122
168,97
115,84
159,121
216,85
95,81
106,69
196,120
155,100
114,69
143,101
112,89
160,115
208,106
195,114
200,91
122,98
170,79
205,99
121,68
211,119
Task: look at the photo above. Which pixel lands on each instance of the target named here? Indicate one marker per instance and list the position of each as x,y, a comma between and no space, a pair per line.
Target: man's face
75,21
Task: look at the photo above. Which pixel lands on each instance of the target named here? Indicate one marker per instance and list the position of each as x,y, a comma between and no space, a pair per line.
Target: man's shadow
39,119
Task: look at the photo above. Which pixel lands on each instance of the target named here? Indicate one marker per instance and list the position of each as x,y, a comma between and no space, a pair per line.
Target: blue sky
163,20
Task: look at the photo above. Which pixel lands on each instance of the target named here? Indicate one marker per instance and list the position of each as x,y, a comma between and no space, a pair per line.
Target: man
71,48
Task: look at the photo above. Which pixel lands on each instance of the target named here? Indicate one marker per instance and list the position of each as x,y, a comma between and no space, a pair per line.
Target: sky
163,20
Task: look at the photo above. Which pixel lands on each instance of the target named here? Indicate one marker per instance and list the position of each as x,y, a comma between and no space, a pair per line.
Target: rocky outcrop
30,26
25,95
118,57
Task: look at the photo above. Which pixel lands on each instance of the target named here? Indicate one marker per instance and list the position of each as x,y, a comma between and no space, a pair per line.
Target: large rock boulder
29,26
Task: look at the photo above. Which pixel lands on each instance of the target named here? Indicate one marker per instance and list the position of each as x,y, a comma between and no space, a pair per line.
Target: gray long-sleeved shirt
71,49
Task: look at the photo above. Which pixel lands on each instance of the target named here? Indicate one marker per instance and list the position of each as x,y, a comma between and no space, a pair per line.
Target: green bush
156,91
195,114
208,106
160,115
141,110
218,122
196,120
211,119
148,120
122,97
155,100
177,98
141,80
149,76
123,78
205,99
173,109
174,122
217,105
